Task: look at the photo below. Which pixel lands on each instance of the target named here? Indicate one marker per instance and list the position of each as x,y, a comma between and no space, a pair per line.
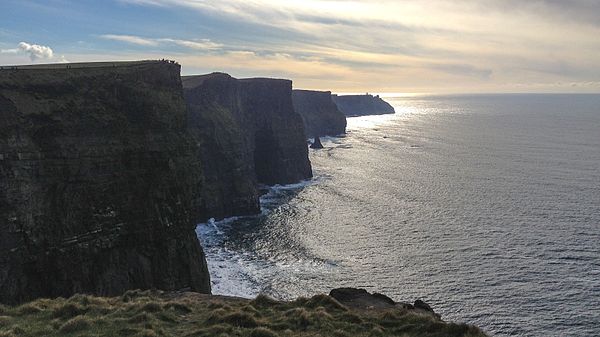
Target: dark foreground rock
362,299
98,182
259,116
362,105
188,314
320,114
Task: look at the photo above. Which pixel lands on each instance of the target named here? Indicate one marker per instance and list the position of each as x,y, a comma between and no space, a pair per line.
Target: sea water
487,207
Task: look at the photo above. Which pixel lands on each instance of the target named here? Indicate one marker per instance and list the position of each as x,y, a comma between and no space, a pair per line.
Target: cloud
9,51
36,52
140,41
203,44
447,44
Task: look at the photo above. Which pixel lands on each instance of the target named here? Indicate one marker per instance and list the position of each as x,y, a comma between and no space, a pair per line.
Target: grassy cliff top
149,314
82,65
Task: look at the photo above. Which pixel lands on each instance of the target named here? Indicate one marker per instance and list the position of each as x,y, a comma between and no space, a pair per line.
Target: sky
385,46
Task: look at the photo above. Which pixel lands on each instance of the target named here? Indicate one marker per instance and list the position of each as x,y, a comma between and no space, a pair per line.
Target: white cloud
130,39
204,44
36,52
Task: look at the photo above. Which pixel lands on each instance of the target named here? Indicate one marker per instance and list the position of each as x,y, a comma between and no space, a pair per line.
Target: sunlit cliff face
351,46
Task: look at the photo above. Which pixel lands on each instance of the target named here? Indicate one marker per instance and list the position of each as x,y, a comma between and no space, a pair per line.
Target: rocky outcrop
316,144
319,113
362,105
362,299
99,182
266,140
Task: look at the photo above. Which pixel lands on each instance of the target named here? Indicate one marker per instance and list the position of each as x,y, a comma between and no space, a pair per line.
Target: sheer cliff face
98,182
320,114
362,105
266,136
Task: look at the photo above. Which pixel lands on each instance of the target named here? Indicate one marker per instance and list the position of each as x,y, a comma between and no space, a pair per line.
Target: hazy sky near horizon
436,46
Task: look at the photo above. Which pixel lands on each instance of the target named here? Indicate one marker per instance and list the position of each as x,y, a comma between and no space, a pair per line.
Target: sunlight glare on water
486,207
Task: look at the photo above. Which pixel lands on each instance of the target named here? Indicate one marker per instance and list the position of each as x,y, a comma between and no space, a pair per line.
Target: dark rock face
362,105
267,135
419,304
320,114
98,182
360,298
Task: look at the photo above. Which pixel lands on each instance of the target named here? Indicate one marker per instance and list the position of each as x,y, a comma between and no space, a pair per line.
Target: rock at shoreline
362,105
320,114
316,144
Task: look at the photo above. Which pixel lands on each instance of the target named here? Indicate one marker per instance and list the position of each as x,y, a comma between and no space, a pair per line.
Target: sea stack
98,179
316,144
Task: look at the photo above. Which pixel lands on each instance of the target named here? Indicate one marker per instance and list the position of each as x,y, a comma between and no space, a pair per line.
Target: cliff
266,142
98,181
189,314
320,114
362,105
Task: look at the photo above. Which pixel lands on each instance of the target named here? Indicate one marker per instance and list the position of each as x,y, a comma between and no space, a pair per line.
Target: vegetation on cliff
152,314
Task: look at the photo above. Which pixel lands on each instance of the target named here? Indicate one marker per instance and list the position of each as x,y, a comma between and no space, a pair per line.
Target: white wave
239,273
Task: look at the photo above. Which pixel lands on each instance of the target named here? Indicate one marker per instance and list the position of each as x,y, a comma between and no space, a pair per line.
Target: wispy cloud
203,44
140,41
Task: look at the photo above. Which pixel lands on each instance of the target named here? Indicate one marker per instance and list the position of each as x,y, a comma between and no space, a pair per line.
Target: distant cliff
99,182
265,136
362,105
320,114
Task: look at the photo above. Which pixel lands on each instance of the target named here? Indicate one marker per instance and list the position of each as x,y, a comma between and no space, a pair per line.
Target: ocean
487,207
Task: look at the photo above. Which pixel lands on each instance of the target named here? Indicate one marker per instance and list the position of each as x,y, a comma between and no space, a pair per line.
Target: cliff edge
362,105
320,114
98,180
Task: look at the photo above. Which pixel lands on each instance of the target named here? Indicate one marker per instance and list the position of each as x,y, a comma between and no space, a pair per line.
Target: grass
158,314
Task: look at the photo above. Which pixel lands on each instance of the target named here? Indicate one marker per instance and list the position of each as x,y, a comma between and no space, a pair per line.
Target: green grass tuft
76,324
262,332
68,310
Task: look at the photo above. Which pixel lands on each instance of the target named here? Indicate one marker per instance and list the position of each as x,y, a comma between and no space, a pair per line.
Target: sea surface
487,207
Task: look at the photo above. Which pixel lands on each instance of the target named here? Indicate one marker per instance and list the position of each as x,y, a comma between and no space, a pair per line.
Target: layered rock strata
99,181
265,141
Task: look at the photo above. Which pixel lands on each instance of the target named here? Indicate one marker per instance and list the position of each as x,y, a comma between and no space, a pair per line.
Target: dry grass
157,314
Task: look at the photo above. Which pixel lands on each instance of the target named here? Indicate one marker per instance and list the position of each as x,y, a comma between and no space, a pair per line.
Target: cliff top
188,314
82,65
306,91
192,81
